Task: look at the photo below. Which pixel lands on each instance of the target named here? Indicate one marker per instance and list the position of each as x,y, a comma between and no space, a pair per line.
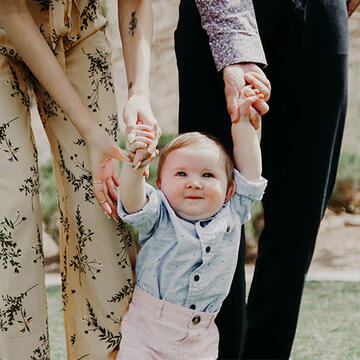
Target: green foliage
349,168
48,200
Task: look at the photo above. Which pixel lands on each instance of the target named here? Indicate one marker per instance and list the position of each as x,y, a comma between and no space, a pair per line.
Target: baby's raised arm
132,180
247,154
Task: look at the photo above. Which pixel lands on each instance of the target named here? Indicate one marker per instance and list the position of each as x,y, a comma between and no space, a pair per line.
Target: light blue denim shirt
191,263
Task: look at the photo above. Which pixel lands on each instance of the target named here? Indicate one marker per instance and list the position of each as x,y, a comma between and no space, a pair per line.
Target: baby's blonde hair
196,138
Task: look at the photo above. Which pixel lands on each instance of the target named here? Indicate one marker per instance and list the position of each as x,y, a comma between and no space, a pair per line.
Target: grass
56,323
329,326
328,329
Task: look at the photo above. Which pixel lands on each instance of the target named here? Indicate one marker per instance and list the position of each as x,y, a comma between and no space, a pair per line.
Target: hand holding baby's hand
141,146
247,98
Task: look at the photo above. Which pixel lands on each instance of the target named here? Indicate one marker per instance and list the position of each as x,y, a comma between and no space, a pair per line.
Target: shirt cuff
228,49
146,217
251,189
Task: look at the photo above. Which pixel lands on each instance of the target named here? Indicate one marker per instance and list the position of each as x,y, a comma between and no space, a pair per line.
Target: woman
58,50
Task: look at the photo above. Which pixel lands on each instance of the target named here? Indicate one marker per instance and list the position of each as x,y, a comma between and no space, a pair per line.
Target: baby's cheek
217,195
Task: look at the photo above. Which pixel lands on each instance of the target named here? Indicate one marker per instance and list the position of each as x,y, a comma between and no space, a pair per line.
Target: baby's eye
180,173
208,175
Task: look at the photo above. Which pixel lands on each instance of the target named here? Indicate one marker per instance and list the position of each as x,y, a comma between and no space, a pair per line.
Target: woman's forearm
136,26
24,35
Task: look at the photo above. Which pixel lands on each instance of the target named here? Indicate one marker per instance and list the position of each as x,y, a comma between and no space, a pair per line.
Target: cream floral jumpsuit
95,269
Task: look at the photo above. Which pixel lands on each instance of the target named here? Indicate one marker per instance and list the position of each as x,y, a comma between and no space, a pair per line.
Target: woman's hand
235,77
137,110
102,150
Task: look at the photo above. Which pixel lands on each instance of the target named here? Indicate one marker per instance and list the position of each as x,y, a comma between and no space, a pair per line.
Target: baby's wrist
242,120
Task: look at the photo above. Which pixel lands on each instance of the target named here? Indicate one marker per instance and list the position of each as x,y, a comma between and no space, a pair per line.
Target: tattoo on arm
130,85
132,24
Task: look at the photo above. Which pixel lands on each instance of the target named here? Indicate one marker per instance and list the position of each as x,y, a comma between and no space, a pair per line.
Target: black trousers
306,45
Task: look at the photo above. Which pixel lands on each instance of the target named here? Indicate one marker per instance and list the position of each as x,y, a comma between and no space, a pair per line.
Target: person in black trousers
306,46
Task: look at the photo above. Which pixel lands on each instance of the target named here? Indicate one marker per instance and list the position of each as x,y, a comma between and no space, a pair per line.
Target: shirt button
208,249
196,319
228,229
192,306
196,277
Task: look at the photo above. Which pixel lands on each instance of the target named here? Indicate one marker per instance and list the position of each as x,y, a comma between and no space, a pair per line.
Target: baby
189,233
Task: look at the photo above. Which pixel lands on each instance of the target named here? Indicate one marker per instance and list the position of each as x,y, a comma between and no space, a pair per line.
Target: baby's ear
230,191
158,183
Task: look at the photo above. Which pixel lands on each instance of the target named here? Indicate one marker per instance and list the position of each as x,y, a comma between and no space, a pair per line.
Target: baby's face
194,181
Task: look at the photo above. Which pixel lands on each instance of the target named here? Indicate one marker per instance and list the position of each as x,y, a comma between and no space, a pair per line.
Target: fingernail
137,165
115,219
107,215
108,210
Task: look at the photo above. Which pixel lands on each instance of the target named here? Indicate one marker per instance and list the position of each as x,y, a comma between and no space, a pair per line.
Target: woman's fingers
100,194
260,82
116,180
112,191
112,207
119,154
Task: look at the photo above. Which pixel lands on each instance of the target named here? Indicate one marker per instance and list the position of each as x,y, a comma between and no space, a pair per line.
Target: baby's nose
193,183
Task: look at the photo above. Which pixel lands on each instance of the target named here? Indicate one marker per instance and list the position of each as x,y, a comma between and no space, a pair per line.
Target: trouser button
196,319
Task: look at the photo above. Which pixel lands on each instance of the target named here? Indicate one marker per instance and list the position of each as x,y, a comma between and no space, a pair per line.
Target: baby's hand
140,146
247,98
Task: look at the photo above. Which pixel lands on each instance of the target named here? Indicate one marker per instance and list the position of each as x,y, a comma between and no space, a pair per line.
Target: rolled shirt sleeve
246,194
232,30
145,219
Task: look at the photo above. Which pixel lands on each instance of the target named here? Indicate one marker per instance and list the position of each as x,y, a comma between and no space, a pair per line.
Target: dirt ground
338,243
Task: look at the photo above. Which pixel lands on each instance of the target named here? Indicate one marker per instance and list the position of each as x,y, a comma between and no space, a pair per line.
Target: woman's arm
136,25
23,33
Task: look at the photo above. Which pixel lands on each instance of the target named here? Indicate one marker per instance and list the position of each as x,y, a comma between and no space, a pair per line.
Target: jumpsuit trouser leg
23,319
96,274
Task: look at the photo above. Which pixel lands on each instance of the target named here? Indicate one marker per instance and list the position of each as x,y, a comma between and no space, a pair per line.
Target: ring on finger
101,202
97,182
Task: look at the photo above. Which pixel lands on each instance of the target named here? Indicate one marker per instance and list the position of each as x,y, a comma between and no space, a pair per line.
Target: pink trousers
158,330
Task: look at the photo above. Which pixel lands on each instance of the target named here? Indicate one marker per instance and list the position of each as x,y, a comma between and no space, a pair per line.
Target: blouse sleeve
232,30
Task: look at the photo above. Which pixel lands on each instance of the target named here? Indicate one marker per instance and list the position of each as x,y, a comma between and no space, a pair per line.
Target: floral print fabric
96,273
